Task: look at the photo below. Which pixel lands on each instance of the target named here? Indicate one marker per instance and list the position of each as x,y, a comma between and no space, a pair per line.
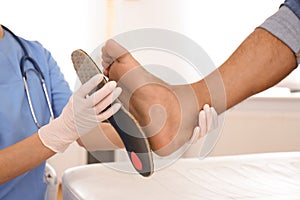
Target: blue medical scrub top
16,122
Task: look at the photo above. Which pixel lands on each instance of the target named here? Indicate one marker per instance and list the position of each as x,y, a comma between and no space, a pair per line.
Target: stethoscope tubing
25,58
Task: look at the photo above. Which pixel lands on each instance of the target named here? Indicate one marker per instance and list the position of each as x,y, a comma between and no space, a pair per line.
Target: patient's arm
260,62
105,138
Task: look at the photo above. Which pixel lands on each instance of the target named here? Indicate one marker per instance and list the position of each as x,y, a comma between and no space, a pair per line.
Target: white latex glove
81,114
208,120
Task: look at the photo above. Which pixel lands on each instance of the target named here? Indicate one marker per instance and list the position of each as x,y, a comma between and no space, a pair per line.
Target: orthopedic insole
134,139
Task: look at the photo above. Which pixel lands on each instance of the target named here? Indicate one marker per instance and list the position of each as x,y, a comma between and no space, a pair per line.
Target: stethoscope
23,60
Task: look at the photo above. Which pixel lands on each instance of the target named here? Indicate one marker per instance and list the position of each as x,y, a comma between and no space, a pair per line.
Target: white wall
217,26
61,26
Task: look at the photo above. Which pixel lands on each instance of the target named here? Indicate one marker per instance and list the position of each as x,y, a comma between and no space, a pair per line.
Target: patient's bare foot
167,113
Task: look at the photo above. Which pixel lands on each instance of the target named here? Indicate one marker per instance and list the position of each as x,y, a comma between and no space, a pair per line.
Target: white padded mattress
258,176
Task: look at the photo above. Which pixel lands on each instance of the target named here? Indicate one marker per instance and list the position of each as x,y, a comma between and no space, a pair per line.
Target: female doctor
28,135
27,138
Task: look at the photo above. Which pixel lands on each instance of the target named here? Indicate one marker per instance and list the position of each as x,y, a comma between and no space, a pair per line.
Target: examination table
255,176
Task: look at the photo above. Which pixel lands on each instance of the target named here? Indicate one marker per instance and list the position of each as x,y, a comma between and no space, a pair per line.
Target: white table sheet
258,176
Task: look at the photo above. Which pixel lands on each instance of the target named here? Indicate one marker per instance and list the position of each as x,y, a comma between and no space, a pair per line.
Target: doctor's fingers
208,116
214,118
86,88
195,135
100,94
108,100
207,121
109,112
211,117
202,124
200,130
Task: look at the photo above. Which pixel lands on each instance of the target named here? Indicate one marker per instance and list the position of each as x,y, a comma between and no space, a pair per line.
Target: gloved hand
81,114
208,120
